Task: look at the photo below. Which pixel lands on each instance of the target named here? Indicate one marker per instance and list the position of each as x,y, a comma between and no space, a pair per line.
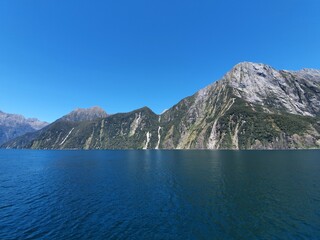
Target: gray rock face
253,106
14,125
293,92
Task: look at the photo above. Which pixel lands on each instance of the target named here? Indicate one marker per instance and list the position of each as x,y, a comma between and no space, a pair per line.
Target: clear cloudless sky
57,55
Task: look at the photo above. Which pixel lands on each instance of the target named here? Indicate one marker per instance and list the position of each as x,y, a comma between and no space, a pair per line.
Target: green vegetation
292,124
258,125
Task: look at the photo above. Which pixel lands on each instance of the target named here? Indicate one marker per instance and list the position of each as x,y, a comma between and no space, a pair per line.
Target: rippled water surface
159,194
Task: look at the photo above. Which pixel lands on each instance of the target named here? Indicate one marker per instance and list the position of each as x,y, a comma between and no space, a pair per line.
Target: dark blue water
159,194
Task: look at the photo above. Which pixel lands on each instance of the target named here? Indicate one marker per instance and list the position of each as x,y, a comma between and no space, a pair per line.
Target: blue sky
57,55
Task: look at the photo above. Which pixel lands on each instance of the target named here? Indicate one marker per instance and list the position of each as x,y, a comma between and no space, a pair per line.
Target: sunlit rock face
293,92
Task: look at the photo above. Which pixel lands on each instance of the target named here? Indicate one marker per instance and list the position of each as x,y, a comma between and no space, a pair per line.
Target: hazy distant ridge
14,125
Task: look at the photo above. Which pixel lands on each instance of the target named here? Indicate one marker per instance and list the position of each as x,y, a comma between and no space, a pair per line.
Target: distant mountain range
253,106
14,125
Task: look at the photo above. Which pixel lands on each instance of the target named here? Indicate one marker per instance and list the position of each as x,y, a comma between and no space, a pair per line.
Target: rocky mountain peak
11,120
145,110
280,90
249,71
312,76
36,123
15,125
248,65
310,71
85,114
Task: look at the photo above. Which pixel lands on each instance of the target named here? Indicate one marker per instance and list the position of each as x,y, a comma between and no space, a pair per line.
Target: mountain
14,125
254,106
